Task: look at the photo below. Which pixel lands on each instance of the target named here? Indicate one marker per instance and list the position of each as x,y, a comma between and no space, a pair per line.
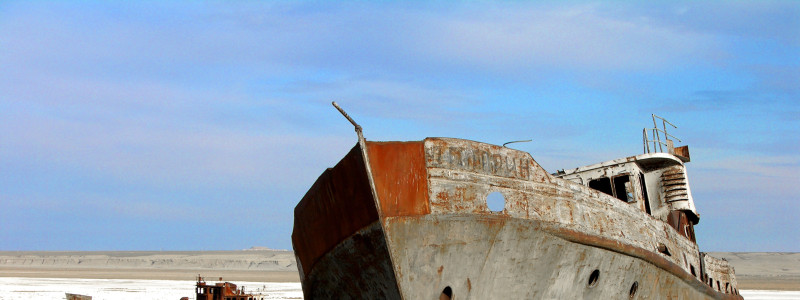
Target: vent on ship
673,182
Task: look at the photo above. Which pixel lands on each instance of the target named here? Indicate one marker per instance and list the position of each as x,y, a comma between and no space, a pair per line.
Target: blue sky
199,125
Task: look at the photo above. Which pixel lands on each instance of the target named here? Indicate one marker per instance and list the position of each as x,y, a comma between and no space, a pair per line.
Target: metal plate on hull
491,257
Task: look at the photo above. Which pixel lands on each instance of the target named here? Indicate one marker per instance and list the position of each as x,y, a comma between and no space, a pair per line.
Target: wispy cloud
762,20
518,38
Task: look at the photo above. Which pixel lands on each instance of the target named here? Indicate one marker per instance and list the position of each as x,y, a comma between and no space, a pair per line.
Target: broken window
602,184
622,187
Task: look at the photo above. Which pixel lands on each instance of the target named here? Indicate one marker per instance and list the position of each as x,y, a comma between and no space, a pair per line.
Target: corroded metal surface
492,257
358,268
220,291
401,184
77,297
719,274
553,200
440,237
337,205
661,176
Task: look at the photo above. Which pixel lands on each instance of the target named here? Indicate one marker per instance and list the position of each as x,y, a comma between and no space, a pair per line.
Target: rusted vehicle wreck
411,220
220,291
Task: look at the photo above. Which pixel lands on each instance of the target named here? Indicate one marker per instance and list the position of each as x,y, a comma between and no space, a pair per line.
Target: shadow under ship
414,220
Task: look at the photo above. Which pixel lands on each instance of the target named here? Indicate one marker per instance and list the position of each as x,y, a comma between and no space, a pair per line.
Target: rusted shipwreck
411,220
220,291
77,297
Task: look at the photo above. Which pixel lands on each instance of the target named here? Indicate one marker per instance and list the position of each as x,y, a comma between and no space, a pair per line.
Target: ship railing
658,144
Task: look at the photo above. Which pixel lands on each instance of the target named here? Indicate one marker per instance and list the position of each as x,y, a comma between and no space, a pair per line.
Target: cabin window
602,184
622,187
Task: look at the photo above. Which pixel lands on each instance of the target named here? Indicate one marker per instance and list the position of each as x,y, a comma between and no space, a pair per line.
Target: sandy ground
754,271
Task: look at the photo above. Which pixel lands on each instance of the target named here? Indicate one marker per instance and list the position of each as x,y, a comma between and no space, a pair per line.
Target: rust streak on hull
401,180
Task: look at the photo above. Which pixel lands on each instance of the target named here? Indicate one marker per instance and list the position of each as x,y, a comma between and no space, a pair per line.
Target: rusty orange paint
683,152
400,177
679,220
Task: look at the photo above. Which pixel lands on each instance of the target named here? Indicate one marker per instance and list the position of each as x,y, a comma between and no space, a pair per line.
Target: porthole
593,278
634,288
663,249
496,202
447,294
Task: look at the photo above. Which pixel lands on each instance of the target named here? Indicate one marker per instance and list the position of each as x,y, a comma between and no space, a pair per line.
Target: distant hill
260,248
764,270
249,260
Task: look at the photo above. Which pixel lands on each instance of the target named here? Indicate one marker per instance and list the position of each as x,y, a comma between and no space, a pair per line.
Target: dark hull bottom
358,268
486,257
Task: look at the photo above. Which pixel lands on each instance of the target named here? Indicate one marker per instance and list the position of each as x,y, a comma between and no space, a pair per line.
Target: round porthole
634,288
447,294
593,278
496,202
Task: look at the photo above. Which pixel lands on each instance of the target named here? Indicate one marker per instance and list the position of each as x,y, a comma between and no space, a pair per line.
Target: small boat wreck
446,218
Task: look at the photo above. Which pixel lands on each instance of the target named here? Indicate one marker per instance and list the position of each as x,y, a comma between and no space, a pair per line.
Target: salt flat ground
14,288
272,273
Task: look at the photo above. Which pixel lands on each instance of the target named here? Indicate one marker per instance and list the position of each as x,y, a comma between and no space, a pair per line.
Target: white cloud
577,37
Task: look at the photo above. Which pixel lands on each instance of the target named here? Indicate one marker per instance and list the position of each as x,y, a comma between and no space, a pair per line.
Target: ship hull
411,221
485,257
490,257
